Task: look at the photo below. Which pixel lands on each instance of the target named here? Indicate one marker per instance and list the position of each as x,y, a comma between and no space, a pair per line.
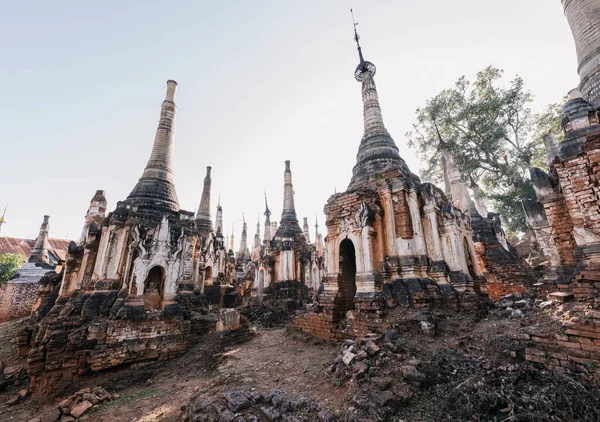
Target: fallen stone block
561,297
12,401
236,401
348,358
270,413
382,397
411,373
372,348
226,416
81,408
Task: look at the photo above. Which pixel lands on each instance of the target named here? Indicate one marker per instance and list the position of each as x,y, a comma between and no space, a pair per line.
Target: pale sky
259,82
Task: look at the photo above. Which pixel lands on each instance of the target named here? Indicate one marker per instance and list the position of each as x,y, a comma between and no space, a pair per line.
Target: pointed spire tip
171,89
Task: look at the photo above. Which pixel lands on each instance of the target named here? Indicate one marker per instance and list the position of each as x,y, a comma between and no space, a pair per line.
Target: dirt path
273,359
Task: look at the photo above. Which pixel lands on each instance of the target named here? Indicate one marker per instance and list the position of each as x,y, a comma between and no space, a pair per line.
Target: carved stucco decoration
158,249
347,225
364,216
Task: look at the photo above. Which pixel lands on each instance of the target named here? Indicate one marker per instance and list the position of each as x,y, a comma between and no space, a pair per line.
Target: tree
9,264
493,135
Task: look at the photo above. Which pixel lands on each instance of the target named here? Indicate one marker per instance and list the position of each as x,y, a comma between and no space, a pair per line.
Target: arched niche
347,276
154,288
208,276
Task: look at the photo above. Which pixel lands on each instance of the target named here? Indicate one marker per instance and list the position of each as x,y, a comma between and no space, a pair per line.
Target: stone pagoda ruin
288,263
566,216
128,286
390,237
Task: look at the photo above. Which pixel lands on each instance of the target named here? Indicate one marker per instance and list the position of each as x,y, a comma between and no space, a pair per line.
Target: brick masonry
368,317
568,346
16,300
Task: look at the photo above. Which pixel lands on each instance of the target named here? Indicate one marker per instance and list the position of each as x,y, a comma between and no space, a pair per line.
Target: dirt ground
272,359
465,358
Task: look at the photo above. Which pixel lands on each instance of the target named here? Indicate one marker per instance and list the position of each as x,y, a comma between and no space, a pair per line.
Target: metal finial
364,66
357,37
267,212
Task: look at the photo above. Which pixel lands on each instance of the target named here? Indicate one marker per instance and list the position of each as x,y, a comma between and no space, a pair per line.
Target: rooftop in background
57,248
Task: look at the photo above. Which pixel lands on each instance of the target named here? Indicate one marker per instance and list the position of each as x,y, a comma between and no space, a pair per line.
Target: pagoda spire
2,218
288,226
95,214
257,234
268,235
203,219
40,250
456,190
244,239
156,187
318,238
377,151
443,147
478,203
219,220
305,229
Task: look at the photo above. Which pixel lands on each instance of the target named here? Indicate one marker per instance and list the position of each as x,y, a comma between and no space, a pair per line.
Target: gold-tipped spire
2,219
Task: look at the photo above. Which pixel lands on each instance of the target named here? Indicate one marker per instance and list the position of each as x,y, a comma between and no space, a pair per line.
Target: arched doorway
261,283
347,277
469,258
208,276
153,289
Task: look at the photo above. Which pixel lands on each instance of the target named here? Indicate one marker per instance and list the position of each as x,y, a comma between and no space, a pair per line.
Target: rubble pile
15,376
387,381
465,387
12,375
383,371
513,305
253,406
267,315
83,401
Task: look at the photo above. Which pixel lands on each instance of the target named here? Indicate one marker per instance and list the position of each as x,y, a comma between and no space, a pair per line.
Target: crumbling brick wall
506,272
574,346
17,300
